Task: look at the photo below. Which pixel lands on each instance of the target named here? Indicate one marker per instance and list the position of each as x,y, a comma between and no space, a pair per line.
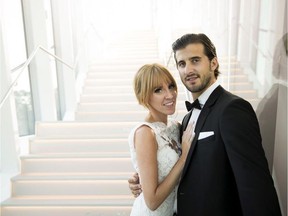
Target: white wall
9,164
263,54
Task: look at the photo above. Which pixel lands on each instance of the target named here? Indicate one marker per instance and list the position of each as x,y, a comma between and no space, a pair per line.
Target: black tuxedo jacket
226,173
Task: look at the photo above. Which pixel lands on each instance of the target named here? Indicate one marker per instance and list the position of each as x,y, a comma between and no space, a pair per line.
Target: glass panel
15,32
17,56
24,107
51,48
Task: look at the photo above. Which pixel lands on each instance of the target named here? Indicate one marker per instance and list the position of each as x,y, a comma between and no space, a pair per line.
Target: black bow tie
195,104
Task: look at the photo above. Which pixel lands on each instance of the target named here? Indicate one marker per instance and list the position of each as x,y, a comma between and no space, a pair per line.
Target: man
226,172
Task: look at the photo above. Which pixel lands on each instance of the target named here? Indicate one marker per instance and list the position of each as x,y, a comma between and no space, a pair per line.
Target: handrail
7,94
84,37
17,67
169,59
268,55
39,47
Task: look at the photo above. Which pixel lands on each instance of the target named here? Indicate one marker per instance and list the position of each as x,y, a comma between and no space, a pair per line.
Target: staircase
81,167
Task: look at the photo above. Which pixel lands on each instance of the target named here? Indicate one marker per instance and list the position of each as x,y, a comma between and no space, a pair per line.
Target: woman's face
162,101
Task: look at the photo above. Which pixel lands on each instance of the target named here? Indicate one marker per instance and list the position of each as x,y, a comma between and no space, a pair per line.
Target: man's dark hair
209,48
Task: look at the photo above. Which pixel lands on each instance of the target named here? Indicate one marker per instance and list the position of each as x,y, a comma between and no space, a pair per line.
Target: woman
154,144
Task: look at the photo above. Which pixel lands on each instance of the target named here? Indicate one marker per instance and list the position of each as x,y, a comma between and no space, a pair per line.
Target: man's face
195,69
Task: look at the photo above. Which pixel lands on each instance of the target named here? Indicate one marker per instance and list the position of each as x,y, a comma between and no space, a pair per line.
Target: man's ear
214,63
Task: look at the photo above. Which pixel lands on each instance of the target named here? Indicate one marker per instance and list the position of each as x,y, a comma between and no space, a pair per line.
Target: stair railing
255,45
26,64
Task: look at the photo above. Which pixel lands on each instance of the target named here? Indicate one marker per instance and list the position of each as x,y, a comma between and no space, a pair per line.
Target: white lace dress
167,137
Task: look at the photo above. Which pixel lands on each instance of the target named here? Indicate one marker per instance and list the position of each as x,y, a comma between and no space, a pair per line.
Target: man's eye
195,60
181,64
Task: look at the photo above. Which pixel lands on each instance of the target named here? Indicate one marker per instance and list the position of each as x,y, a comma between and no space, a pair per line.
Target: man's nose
188,68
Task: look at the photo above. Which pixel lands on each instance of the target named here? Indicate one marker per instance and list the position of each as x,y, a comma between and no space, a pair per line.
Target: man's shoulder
229,96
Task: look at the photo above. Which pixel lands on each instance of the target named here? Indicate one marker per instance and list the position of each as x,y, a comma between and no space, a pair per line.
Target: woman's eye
171,86
157,90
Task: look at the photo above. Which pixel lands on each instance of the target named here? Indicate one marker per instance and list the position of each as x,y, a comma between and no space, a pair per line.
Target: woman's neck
152,118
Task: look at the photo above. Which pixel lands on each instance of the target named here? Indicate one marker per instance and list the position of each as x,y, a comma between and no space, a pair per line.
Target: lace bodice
167,137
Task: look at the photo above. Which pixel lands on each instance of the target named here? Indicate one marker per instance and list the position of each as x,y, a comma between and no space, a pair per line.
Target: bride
155,143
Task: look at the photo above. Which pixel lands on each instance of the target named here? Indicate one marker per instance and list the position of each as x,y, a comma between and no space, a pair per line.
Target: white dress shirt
202,100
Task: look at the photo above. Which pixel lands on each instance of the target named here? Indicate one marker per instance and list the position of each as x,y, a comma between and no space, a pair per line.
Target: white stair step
137,41
233,78
117,89
85,201
246,94
124,61
119,68
133,44
125,89
118,106
73,130
147,48
105,82
82,146
109,106
75,176
68,206
64,186
112,75
80,163
121,81
134,106
59,210
115,116
136,116
116,97
126,85
231,71
108,89
134,53
241,86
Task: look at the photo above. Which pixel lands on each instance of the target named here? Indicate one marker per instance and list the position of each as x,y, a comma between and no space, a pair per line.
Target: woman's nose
169,94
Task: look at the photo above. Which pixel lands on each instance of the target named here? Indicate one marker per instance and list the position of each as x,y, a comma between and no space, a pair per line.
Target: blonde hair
149,77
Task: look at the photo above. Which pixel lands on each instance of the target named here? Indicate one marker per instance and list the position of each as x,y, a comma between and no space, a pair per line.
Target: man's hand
134,185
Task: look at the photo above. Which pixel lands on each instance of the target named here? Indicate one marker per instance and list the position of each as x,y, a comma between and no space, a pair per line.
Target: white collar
205,95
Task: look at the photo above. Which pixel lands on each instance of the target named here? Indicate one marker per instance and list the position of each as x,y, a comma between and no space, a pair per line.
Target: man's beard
204,85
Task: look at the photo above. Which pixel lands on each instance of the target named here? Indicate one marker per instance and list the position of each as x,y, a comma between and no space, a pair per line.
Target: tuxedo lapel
200,122
186,121
207,108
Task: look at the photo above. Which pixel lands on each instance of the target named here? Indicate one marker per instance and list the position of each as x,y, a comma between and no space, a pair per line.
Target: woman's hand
134,185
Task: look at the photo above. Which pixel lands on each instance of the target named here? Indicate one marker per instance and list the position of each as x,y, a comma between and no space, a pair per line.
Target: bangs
158,77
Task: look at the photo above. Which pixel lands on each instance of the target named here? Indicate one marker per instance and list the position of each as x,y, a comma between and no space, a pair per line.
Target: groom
226,172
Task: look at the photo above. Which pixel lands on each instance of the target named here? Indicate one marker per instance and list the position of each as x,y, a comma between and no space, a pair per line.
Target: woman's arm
146,151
